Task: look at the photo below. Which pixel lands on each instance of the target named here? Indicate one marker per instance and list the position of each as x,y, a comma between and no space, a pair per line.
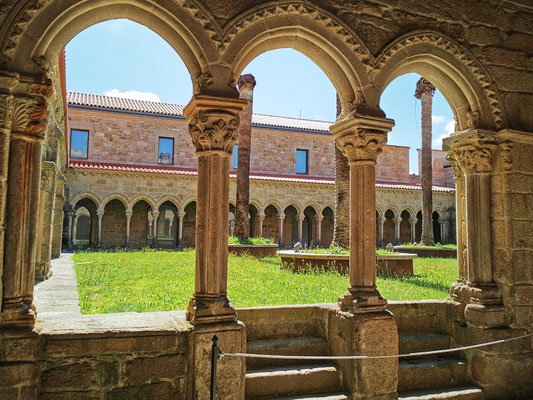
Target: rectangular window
301,161
166,151
79,143
235,156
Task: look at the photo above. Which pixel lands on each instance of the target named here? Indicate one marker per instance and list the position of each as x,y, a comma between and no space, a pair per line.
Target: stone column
443,231
129,213
75,229
154,236
361,140
300,218
473,150
246,86
261,218
100,214
180,229
281,218
57,235
381,222
70,227
23,122
412,223
213,126
47,204
397,222
362,316
319,219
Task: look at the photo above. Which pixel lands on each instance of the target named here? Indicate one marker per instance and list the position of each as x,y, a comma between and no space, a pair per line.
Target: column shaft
128,223
180,228
58,218
281,238
397,226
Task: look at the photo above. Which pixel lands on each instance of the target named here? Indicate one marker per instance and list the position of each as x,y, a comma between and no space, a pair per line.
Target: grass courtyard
151,280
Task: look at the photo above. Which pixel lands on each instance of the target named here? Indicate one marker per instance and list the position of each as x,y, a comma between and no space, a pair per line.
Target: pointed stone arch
274,204
115,196
141,197
463,81
171,199
85,195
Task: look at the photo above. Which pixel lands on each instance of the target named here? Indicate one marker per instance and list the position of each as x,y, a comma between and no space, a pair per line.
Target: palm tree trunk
246,86
341,230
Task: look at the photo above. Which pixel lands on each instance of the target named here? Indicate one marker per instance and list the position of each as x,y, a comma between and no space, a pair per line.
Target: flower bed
432,252
255,250
392,264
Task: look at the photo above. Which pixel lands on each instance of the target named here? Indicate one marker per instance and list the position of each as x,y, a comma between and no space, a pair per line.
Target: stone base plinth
366,334
231,371
485,316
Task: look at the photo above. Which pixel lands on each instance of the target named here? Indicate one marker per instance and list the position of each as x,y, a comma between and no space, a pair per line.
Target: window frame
70,144
306,151
159,152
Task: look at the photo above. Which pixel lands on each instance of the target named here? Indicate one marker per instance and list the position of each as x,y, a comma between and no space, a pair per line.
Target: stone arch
297,206
257,205
441,212
451,68
48,29
330,205
82,195
141,197
274,204
394,209
185,203
314,206
171,199
342,56
410,210
115,196
380,211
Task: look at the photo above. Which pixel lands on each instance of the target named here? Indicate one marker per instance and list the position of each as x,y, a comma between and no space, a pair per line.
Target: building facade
132,175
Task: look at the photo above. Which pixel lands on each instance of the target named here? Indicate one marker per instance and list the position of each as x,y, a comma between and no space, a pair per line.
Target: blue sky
123,58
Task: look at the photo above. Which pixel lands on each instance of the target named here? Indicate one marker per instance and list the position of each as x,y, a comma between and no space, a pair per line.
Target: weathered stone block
522,295
146,370
523,317
14,374
159,391
484,35
522,266
522,234
80,376
19,348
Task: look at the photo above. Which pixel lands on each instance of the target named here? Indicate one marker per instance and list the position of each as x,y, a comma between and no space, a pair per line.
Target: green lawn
164,280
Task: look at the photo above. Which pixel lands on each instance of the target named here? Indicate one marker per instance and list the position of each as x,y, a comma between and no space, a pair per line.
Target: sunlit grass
164,280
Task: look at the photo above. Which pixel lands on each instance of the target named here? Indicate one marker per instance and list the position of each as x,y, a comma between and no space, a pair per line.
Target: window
301,161
166,151
235,156
79,143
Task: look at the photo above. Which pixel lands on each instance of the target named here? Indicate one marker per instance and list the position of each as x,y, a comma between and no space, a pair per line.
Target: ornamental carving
6,102
205,79
457,173
474,159
505,155
214,130
361,145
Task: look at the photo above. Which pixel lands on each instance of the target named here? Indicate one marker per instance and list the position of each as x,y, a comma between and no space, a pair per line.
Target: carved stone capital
214,122
506,151
361,138
471,150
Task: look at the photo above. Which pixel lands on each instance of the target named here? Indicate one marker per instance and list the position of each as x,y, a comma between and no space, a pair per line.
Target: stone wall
114,225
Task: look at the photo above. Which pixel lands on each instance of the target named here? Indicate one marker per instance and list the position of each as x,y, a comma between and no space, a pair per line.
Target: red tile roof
254,176
176,110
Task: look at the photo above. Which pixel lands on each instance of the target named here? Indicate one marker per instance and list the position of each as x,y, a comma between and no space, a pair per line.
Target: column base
231,371
210,310
18,314
362,300
485,316
42,271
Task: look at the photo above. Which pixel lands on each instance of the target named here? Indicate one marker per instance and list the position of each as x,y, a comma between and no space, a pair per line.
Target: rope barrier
422,353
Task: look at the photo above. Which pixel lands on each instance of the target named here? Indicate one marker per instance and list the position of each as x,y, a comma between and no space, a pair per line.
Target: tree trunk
427,172
242,230
341,230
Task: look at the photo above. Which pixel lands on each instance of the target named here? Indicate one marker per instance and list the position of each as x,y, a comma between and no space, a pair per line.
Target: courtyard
158,280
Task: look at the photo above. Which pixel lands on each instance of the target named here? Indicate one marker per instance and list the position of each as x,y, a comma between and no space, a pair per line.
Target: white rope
422,353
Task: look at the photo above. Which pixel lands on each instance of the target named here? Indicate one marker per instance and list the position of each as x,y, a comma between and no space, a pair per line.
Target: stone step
292,381
329,396
304,346
455,393
426,373
423,342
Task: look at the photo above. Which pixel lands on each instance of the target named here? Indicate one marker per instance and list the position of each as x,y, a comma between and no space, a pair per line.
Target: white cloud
450,127
437,119
132,94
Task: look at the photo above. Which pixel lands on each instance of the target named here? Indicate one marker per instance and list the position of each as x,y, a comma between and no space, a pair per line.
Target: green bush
252,240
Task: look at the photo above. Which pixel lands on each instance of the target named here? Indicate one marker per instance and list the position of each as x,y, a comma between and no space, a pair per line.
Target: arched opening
327,227
253,225
405,227
290,226
418,227
271,223
309,227
189,225
139,225
167,226
389,228
436,227
114,224
81,236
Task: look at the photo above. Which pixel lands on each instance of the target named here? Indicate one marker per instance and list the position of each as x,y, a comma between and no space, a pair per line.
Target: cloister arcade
488,90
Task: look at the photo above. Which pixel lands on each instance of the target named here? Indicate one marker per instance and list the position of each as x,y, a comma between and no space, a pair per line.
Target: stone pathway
58,295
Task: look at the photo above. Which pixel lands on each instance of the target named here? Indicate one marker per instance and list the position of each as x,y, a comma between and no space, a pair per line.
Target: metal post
215,351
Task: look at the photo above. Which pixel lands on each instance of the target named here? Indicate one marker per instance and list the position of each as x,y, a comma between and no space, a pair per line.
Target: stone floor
58,309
